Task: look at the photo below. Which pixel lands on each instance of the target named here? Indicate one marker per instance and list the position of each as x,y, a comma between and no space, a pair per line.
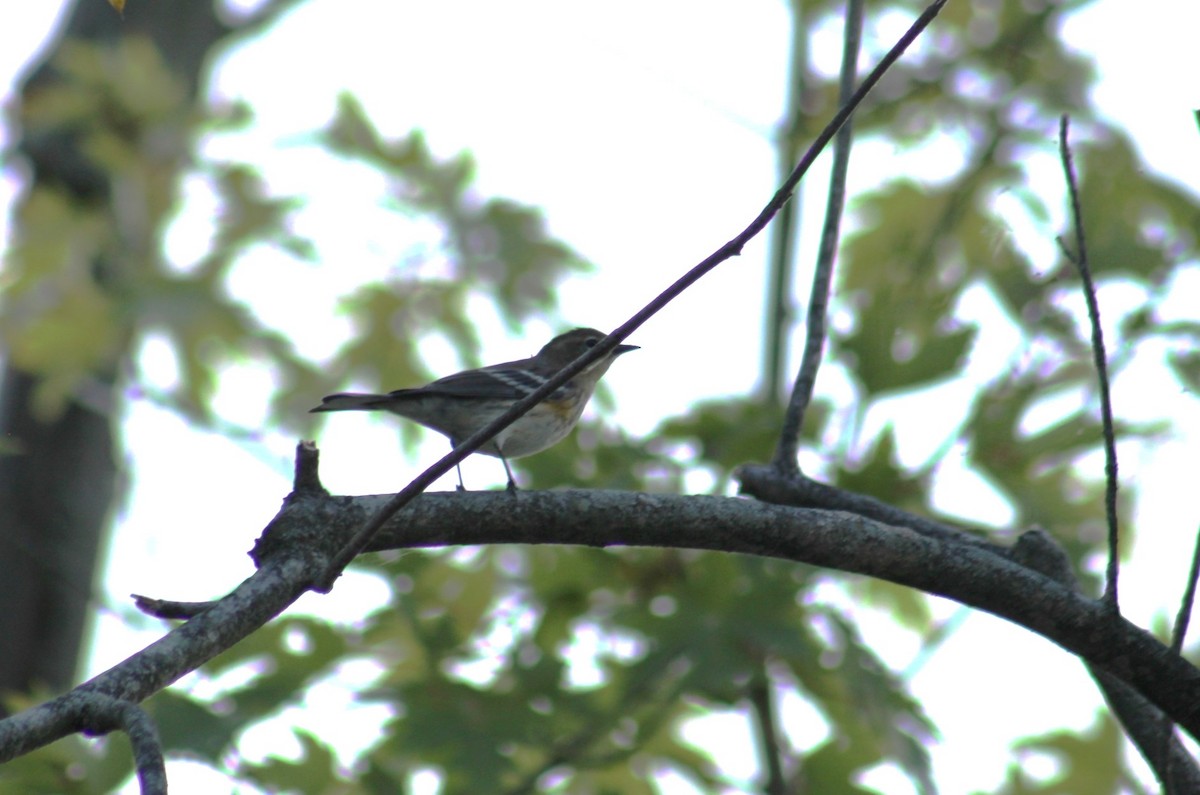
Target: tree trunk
59,477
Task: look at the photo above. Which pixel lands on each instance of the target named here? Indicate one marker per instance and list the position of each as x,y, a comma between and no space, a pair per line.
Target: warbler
460,404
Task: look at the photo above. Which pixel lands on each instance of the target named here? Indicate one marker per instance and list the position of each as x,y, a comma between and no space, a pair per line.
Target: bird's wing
500,381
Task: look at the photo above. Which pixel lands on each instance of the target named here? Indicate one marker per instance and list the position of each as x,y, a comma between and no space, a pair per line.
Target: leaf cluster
89,280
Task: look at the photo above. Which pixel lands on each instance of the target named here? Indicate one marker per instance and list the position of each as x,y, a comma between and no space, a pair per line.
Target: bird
461,404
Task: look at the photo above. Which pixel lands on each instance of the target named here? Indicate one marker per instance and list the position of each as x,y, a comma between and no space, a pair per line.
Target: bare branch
762,705
305,481
768,484
1089,292
1184,616
1035,550
306,477
362,538
782,241
100,714
147,750
1182,619
282,577
818,301
144,740
968,573
312,526
1145,724
167,609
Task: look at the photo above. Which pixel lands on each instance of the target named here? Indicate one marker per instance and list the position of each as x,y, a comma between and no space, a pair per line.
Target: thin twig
169,610
734,247
1182,619
1089,292
818,302
783,233
762,704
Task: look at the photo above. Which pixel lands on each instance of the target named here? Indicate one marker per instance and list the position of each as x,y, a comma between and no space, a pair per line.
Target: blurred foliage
71,766
84,282
512,669
1088,762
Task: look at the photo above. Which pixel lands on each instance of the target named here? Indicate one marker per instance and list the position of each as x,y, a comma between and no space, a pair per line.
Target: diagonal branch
324,582
818,301
1089,292
278,582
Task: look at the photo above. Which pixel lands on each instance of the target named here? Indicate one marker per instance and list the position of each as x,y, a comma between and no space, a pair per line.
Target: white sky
643,130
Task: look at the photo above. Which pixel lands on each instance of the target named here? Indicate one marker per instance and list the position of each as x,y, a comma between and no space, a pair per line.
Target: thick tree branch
278,582
770,484
1035,550
312,526
255,602
1145,724
968,573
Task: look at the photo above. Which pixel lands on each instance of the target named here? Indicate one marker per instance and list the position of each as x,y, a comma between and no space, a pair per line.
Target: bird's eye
590,343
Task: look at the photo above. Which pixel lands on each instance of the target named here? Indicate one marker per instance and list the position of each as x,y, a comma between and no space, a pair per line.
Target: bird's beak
617,351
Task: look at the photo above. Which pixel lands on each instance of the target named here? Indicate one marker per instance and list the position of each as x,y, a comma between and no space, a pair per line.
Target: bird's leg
458,469
512,484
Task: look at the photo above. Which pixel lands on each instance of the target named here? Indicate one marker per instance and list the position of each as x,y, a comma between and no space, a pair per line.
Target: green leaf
727,432
881,476
314,773
1186,367
71,766
1090,762
187,726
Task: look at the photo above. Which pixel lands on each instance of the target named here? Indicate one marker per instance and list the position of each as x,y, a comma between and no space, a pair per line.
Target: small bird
460,404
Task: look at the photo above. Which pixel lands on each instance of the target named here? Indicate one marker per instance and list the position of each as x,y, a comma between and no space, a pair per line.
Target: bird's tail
349,401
